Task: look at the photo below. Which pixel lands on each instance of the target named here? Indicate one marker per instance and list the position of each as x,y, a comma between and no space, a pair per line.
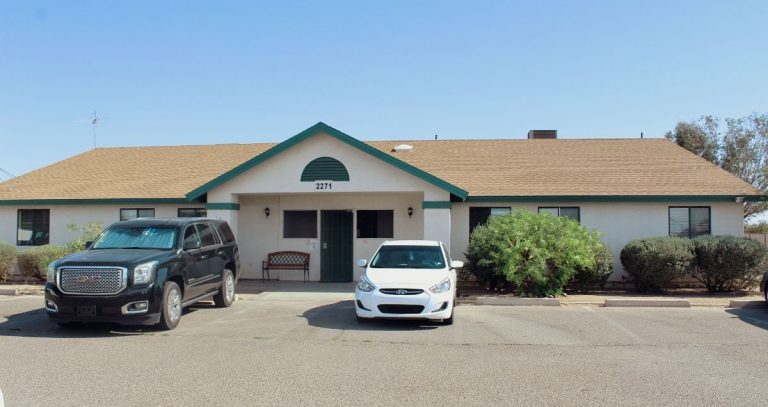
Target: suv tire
170,307
226,295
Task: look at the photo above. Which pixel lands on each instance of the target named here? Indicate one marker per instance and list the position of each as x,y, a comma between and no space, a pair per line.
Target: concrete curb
517,301
747,304
676,303
9,291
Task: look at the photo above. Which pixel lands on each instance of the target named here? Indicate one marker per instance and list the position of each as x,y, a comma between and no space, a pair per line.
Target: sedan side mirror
88,244
457,264
362,263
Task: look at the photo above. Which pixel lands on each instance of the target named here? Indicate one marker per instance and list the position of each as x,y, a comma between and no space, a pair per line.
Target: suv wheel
170,313
226,295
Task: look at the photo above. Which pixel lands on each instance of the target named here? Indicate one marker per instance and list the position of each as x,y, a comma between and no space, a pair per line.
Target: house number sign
323,185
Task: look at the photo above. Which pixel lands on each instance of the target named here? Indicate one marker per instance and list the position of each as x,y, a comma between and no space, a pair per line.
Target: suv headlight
365,285
50,276
441,287
142,274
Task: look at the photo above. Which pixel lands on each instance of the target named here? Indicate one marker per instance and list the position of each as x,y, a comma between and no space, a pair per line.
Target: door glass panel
206,235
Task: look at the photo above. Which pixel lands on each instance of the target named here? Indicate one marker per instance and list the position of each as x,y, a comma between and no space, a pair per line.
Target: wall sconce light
266,211
410,211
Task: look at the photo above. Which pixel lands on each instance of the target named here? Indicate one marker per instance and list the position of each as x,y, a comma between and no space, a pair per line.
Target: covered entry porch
335,229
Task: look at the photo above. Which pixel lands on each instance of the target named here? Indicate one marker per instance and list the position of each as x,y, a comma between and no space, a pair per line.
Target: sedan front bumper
425,305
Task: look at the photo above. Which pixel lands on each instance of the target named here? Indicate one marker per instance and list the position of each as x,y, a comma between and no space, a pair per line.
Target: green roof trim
321,127
436,204
616,198
325,169
108,201
223,206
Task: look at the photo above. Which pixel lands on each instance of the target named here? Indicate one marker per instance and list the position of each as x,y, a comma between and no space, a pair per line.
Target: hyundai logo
401,292
88,279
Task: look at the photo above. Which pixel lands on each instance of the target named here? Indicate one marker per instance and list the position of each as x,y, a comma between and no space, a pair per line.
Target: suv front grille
401,309
401,291
92,280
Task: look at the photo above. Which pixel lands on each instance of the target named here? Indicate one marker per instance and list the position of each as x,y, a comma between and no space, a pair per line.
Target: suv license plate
86,311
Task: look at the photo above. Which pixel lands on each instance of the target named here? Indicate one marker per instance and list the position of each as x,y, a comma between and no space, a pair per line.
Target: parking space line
617,325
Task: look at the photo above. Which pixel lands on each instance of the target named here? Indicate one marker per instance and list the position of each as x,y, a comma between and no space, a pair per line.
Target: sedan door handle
203,257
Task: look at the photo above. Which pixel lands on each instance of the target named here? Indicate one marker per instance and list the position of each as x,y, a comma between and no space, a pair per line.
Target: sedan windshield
140,237
407,257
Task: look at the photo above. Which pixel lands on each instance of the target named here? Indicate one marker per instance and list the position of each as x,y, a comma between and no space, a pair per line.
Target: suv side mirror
362,263
88,244
457,264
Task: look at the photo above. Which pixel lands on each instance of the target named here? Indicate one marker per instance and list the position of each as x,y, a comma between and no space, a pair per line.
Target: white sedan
409,279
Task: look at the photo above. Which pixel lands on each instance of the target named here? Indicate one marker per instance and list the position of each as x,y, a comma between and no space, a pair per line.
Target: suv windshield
409,257
140,237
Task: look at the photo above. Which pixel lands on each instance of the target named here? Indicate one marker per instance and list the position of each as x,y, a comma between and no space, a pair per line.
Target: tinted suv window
191,238
206,234
226,233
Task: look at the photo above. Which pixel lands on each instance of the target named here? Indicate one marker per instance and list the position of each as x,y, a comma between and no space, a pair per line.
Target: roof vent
542,134
402,148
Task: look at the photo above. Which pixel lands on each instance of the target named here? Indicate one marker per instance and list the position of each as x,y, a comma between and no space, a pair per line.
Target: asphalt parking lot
295,348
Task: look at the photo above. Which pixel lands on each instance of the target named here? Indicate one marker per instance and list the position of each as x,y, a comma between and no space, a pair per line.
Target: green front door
336,246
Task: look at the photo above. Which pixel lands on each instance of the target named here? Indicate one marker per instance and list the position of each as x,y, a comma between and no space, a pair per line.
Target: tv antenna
96,119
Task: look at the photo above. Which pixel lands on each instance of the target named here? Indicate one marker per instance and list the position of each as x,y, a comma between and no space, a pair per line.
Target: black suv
145,271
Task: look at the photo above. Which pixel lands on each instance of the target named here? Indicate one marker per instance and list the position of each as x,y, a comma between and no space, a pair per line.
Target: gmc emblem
88,279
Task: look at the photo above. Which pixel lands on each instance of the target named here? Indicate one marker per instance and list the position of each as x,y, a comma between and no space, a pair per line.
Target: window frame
357,223
560,208
120,213
315,233
490,214
32,241
178,212
669,219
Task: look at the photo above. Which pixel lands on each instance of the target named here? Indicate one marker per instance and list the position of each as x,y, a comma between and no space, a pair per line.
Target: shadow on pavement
35,324
341,315
754,316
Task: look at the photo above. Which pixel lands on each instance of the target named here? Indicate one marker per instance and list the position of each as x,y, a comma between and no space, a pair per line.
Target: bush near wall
594,277
34,262
538,254
727,263
7,260
654,263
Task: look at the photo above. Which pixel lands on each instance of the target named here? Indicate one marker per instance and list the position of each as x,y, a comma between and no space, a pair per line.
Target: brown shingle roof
604,167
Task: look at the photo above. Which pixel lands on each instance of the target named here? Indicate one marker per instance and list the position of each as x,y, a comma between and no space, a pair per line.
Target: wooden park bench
286,261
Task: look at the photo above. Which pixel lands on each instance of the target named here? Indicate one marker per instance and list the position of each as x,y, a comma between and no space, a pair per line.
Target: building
338,198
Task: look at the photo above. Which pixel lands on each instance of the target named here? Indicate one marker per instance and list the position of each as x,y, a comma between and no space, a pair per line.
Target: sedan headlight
50,276
441,287
143,273
365,285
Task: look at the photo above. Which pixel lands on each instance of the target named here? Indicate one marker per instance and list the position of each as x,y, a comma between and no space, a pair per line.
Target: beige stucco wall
63,215
619,222
259,234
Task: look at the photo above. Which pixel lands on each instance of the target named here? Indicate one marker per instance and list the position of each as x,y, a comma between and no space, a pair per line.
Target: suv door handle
203,257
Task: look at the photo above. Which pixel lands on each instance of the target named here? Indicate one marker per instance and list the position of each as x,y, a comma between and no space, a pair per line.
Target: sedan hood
394,278
111,257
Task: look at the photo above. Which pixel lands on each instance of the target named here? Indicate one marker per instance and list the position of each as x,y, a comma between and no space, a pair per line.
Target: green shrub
86,233
7,259
34,262
727,263
596,276
537,253
654,263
